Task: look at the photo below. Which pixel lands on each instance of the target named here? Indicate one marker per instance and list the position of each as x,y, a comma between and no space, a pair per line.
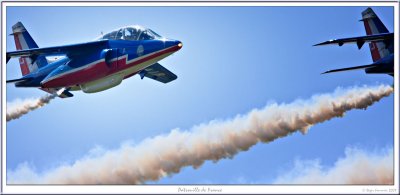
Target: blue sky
233,59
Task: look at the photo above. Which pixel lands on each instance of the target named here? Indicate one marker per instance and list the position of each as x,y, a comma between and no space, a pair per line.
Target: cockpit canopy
131,33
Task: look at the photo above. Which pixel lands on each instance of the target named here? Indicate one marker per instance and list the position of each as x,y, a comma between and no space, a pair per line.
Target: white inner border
230,189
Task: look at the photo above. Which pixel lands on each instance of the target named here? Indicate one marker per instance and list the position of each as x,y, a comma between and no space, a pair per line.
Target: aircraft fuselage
386,66
112,61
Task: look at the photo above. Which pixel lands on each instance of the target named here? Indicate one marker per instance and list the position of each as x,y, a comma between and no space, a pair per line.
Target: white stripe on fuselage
142,65
73,70
101,60
129,70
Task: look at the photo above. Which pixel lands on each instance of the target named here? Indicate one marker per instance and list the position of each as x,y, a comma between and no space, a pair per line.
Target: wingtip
326,72
323,43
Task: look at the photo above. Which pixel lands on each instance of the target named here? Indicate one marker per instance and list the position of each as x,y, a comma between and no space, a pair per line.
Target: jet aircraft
92,66
381,44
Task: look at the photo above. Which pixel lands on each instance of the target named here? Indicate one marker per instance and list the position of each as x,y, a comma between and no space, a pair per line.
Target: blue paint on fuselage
123,47
384,65
149,46
37,76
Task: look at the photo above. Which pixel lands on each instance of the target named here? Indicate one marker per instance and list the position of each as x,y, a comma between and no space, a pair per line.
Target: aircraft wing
158,73
351,68
69,50
359,40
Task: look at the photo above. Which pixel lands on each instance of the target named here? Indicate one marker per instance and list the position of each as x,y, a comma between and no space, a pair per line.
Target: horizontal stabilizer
62,93
351,68
158,73
386,37
17,80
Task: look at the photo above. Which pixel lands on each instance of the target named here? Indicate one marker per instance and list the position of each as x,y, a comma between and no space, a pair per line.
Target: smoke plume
163,155
19,107
357,167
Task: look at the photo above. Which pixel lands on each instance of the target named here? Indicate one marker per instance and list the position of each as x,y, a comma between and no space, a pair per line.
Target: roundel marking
140,50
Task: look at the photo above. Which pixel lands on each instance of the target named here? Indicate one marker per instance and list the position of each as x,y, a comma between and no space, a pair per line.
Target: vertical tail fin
23,40
373,25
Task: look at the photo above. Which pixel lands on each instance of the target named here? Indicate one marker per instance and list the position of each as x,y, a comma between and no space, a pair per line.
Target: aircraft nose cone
178,45
175,44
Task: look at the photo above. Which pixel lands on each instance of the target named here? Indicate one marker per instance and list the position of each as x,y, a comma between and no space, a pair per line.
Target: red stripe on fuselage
99,70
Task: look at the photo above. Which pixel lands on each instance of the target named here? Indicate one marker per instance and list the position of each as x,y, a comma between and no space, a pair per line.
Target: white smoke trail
162,155
357,167
18,107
